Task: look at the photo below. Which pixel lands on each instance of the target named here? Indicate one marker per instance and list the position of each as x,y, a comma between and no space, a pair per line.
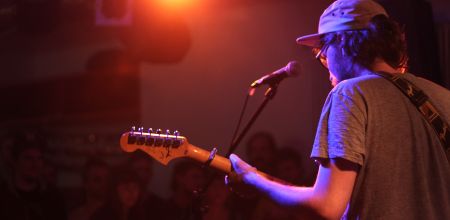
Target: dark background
83,74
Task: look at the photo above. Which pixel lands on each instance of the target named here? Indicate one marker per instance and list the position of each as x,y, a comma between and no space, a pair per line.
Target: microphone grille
293,68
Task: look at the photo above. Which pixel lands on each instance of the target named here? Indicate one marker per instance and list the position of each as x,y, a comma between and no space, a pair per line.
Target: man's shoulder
438,95
359,85
425,84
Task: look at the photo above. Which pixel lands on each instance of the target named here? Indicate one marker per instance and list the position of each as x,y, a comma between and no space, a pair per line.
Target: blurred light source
113,12
157,34
176,4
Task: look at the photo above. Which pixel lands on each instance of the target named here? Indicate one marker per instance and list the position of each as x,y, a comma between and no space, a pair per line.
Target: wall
232,44
202,95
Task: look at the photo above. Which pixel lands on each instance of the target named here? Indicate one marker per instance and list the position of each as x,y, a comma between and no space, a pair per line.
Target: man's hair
382,39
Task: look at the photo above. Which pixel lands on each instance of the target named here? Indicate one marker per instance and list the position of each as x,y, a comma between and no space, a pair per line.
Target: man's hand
240,180
242,170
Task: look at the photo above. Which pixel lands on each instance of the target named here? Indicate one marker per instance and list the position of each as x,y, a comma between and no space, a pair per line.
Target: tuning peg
176,142
167,133
132,136
150,130
141,130
158,131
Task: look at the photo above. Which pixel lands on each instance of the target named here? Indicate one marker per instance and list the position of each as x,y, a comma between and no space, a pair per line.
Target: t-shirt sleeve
341,129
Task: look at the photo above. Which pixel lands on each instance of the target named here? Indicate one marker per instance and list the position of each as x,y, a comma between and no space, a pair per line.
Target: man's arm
328,198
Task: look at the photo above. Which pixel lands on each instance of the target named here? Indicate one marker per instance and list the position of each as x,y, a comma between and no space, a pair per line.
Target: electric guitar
166,147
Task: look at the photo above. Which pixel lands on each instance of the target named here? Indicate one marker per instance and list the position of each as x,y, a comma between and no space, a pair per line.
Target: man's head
142,164
28,159
126,188
96,176
187,177
354,35
260,150
289,165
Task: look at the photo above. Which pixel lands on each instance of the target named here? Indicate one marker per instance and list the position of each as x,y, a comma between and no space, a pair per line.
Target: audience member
124,200
261,152
187,178
6,161
27,196
217,200
268,210
142,165
50,173
288,168
96,176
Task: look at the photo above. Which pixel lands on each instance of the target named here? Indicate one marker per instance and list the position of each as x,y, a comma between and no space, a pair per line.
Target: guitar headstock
162,147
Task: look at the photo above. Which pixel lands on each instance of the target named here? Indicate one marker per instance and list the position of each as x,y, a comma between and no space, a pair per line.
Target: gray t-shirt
404,172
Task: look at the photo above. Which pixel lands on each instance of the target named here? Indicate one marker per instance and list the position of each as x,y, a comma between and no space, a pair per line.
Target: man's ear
347,53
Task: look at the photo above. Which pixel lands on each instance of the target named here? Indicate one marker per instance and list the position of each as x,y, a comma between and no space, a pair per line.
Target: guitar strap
422,103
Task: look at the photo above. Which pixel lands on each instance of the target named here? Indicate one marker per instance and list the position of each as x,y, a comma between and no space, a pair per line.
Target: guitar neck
164,148
221,163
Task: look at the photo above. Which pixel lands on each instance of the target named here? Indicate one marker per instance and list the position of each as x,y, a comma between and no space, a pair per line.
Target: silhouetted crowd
29,191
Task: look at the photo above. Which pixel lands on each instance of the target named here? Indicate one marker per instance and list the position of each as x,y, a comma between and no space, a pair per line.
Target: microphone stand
197,209
269,95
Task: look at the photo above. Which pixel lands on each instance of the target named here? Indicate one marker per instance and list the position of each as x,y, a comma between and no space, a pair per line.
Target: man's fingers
234,158
239,165
238,187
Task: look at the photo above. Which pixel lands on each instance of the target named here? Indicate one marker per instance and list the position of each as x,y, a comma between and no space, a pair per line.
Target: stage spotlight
176,4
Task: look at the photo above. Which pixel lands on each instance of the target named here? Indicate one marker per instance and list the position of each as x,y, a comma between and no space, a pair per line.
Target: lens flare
177,4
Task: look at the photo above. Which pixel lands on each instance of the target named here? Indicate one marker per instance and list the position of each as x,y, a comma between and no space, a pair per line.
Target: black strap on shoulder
429,112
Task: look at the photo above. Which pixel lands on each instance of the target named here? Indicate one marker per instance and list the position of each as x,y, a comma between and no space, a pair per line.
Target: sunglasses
319,53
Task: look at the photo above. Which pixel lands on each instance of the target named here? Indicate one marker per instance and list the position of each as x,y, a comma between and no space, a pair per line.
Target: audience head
27,156
142,165
217,192
187,177
260,151
96,177
126,188
289,165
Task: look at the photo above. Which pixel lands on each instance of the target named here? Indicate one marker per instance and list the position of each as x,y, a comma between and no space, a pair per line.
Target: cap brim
312,40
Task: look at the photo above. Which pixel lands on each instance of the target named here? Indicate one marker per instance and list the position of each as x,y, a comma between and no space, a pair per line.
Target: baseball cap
343,15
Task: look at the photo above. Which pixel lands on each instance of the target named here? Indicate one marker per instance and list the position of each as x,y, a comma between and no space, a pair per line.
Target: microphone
293,68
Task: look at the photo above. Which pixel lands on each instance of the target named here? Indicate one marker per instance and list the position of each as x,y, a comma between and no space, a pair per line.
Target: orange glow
177,4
